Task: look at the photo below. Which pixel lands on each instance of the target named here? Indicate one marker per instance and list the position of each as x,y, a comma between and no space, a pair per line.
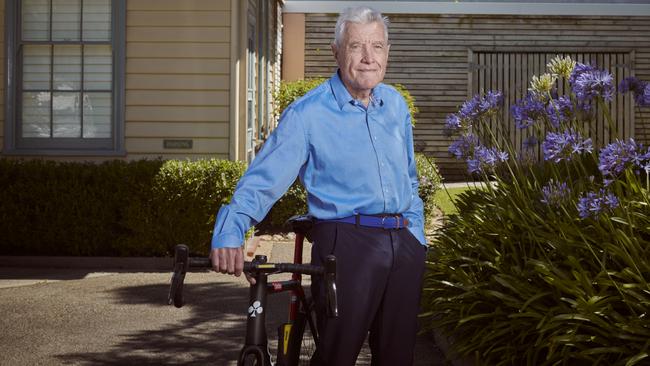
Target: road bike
298,337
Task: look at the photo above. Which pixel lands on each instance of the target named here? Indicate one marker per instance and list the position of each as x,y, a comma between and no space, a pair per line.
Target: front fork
256,337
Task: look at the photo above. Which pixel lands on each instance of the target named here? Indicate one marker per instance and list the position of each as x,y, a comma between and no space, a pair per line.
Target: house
447,51
118,79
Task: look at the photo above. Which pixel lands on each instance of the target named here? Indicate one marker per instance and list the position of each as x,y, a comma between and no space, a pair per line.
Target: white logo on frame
255,309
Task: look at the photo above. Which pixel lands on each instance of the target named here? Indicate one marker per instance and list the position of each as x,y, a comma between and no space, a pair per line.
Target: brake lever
181,264
330,283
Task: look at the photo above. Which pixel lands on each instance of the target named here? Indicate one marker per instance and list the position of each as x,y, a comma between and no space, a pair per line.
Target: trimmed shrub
114,208
186,196
54,208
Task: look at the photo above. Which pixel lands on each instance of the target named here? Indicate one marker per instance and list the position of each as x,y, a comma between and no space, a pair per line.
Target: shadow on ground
209,329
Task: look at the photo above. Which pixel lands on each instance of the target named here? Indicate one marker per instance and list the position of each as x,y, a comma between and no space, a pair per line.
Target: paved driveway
82,317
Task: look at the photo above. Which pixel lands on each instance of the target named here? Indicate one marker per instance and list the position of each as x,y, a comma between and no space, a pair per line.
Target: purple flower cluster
479,158
453,122
527,111
593,204
592,84
617,156
640,89
555,193
473,109
578,70
562,145
560,111
463,146
485,158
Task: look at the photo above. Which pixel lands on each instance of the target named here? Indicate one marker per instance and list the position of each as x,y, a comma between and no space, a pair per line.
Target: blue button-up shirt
350,158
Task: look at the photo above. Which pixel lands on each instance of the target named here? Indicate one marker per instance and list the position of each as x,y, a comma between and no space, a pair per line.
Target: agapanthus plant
592,204
474,110
472,113
557,121
564,145
555,194
639,88
550,265
529,111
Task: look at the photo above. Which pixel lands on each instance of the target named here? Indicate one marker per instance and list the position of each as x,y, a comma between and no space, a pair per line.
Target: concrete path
119,317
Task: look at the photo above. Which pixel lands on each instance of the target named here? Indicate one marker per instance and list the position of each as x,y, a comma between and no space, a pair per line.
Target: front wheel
302,339
250,360
253,356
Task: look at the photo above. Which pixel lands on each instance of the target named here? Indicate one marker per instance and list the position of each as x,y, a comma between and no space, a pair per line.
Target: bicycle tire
250,360
302,343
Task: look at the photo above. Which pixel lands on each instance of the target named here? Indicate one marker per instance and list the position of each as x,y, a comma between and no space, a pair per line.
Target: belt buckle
383,222
397,223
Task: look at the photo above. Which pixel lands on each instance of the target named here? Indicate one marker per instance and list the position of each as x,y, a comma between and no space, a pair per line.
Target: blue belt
384,222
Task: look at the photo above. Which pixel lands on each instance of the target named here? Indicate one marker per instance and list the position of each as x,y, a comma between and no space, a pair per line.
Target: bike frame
256,340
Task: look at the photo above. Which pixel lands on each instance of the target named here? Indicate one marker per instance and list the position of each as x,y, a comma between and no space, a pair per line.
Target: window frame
14,144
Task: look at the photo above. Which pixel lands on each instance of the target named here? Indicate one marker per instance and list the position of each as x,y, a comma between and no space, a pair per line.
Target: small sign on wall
177,144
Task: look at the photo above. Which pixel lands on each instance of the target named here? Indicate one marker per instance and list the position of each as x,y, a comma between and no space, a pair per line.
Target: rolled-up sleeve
268,177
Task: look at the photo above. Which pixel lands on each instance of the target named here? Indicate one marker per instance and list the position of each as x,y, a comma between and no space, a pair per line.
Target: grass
444,199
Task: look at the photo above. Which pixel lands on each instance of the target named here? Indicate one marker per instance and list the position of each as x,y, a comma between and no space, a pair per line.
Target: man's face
362,57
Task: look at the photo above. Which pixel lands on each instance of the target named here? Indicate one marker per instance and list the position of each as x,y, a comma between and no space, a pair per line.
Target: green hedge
118,208
115,208
143,207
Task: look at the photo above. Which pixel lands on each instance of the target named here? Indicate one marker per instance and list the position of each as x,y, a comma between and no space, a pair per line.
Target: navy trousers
379,282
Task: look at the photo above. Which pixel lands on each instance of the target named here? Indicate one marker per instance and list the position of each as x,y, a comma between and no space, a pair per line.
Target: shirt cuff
227,240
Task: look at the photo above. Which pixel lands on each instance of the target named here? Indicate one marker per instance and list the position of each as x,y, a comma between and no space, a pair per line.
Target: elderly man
350,142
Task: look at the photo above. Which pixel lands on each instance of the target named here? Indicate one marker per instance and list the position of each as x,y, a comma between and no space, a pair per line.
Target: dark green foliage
186,196
114,208
430,183
517,282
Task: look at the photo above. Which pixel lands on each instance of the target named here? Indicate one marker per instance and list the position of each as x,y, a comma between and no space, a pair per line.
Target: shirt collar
343,97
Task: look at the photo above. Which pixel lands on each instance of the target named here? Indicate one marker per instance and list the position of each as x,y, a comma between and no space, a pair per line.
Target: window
68,77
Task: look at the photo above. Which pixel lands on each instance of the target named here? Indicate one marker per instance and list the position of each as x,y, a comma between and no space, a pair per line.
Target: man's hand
229,260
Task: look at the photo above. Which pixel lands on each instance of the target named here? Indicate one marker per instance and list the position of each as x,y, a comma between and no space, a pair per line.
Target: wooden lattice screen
511,72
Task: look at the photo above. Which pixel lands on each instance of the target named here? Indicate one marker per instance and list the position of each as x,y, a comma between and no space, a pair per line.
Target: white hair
358,15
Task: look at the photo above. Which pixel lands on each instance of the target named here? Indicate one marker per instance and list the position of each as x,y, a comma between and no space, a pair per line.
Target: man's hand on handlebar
229,260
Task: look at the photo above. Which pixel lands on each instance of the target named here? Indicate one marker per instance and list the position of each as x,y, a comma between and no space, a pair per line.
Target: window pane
66,20
97,115
97,20
98,67
36,67
66,115
67,67
36,114
35,20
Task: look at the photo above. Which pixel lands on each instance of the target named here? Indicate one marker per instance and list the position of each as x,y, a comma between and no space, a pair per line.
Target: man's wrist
226,240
